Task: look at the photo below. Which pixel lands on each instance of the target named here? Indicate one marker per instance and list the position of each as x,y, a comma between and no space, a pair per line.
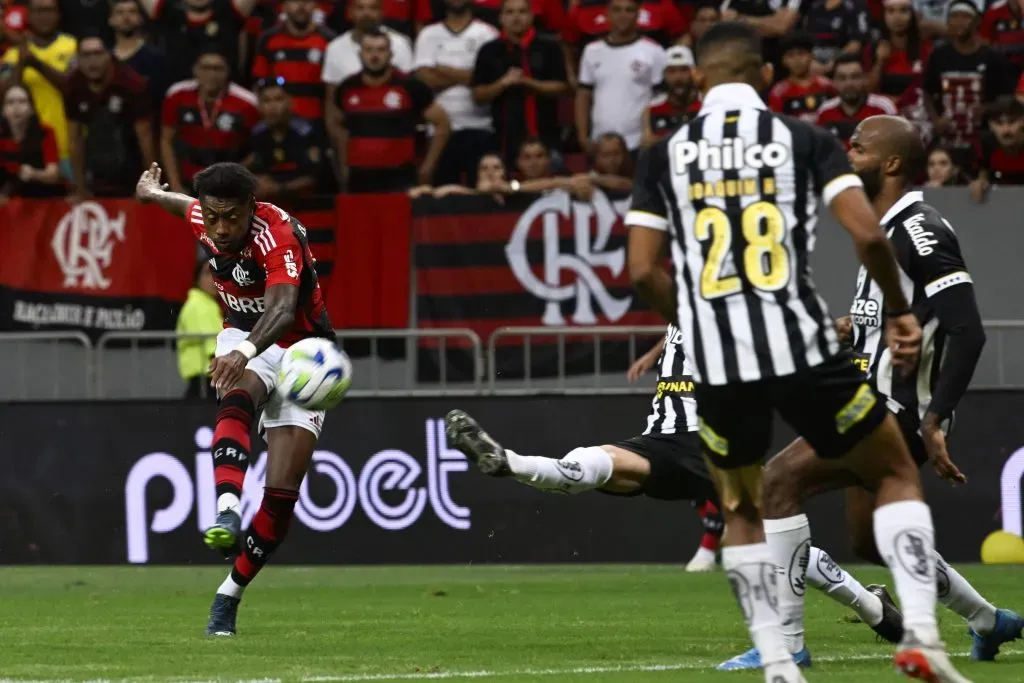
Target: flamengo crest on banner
83,243
589,246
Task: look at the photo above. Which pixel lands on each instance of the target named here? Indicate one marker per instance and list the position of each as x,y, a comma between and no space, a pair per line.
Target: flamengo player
263,271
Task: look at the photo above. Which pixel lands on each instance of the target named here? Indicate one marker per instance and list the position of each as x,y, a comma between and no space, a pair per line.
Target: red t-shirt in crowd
666,115
659,20
1004,30
205,134
801,100
1004,167
833,118
13,154
900,70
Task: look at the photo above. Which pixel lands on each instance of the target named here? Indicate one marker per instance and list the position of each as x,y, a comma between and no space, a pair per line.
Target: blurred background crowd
441,97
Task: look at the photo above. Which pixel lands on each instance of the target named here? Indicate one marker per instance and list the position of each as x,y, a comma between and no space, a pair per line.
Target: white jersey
438,45
738,189
673,408
622,79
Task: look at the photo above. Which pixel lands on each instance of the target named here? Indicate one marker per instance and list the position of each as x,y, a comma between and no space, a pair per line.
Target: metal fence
41,366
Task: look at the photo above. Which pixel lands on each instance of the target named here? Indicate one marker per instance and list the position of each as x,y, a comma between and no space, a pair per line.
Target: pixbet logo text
389,470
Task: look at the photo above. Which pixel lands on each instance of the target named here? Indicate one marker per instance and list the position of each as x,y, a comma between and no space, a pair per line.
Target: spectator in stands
109,123
342,59
445,55
285,149
678,104
961,77
772,18
942,170
1002,27
802,92
932,16
613,168
549,15
86,17
841,114
42,63
896,62
617,80
294,50
379,109
836,27
521,75
187,26
205,120
1000,159
28,150
131,48
490,179
590,20
533,162
200,315
705,16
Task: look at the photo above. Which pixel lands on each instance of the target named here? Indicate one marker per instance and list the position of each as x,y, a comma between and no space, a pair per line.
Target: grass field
580,624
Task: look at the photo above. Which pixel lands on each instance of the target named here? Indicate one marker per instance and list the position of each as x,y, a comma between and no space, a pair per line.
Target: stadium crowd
459,96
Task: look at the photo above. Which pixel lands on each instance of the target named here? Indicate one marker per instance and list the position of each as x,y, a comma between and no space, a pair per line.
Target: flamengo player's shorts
276,411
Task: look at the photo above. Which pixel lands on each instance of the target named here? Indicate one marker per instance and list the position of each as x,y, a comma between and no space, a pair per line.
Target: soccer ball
314,374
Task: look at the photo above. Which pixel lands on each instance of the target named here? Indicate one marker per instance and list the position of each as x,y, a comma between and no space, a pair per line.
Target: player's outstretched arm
151,189
281,301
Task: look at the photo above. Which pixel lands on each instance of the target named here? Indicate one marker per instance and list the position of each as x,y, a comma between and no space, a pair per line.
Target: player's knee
238,404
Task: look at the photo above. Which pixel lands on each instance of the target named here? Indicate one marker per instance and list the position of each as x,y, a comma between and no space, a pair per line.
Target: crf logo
241,276
84,244
589,247
244,304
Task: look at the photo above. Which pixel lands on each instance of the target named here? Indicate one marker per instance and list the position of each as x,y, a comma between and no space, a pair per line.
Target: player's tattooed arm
151,189
281,302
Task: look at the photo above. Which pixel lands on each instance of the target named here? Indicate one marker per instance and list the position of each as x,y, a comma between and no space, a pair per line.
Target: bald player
887,154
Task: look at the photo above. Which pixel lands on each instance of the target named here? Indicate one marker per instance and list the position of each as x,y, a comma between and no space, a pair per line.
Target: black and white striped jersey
739,189
930,260
673,408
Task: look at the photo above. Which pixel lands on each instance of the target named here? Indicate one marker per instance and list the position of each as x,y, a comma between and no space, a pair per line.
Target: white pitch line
486,673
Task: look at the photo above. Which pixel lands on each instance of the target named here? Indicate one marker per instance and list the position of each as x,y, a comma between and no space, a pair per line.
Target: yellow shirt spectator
59,55
200,315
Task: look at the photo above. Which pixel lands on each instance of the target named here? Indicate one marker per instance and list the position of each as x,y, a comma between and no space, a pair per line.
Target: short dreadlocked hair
226,180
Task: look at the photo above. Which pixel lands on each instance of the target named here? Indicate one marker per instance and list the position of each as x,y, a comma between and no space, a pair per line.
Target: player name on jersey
928,254
673,408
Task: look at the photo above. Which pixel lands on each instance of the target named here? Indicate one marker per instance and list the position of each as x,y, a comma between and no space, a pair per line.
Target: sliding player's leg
291,433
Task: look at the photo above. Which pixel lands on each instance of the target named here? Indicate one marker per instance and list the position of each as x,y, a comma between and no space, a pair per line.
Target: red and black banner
546,260
99,266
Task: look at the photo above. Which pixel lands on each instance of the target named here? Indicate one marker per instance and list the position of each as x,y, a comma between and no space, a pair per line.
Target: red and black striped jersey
299,61
276,252
381,119
1004,30
269,13
666,115
801,100
659,20
832,117
1005,167
207,133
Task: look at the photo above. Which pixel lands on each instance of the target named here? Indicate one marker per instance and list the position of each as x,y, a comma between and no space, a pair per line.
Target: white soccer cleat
702,561
925,663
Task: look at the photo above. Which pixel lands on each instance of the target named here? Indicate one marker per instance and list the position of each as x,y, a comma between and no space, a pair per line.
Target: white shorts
276,412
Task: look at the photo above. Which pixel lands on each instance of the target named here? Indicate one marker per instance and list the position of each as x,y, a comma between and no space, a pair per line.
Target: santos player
737,191
263,270
887,153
